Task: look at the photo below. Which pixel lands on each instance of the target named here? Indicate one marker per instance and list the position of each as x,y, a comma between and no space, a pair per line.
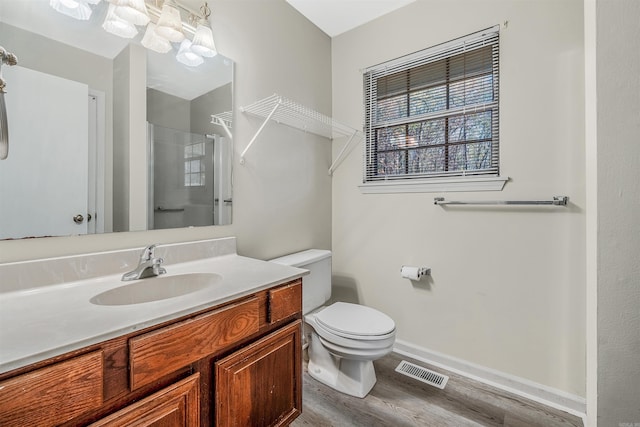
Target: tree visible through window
435,112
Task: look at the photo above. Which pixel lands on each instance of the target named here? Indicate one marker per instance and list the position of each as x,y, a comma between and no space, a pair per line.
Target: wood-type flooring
398,401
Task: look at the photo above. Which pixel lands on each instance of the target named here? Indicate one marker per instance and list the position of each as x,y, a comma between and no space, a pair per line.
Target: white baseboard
567,402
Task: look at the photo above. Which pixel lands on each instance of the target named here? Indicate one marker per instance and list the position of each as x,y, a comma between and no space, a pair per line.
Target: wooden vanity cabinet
255,385
237,364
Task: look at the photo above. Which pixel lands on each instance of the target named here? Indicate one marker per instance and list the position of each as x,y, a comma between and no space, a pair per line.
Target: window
194,165
434,113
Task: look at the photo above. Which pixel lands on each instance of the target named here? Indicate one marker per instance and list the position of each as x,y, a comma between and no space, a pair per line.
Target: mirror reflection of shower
189,183
6,58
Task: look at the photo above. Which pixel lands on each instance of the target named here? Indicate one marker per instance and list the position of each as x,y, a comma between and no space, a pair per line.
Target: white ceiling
334,17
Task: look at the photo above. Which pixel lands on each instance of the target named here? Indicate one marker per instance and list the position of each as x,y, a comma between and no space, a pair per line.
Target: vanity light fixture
164,25
170,24
187,56
203,43
115,25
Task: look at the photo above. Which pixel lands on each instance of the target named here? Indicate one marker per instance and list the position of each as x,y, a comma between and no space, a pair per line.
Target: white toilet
345,338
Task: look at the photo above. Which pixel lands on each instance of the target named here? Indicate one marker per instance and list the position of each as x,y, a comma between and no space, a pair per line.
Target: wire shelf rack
285,111
225,120
291,113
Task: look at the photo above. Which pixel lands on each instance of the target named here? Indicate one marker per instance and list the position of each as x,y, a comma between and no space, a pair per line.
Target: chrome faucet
149,266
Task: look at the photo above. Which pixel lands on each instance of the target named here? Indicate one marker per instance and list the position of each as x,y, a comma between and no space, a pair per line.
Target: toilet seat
354,321
352,329
358,353
355,342
345,340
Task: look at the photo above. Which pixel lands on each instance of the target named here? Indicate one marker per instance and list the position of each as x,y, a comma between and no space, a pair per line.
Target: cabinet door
175,406
261,384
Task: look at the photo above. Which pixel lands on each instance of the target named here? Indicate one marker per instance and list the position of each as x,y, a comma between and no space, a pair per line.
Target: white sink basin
156,289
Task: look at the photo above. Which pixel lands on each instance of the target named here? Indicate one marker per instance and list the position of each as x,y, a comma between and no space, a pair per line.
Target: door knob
78,219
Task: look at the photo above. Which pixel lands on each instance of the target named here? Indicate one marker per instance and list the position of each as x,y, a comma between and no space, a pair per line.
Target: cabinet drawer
158,353
54,394
285,301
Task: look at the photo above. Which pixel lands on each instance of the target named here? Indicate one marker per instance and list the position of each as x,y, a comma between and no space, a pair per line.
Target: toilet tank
316,286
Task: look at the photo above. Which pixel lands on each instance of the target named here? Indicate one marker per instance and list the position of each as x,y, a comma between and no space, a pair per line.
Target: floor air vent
422,374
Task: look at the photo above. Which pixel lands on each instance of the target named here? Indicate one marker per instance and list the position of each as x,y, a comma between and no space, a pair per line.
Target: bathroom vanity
231,359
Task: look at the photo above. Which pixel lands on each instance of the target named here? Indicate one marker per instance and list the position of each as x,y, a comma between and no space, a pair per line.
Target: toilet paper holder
414,273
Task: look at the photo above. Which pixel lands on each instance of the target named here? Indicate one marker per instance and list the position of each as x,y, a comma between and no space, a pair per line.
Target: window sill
494,183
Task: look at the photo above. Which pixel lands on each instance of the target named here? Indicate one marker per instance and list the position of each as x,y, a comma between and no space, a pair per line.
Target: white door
43,182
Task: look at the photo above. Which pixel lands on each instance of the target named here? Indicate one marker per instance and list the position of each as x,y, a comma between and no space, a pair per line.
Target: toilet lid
355,319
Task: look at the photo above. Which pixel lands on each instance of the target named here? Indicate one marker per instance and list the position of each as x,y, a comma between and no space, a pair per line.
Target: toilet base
352,377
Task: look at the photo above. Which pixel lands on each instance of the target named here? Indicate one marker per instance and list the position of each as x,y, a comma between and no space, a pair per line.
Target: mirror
106,135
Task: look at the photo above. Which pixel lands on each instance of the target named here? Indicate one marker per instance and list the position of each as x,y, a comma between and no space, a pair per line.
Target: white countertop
39,323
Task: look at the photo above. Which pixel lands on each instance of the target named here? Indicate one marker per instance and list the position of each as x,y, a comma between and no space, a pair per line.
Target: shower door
222,191
43,182
182,178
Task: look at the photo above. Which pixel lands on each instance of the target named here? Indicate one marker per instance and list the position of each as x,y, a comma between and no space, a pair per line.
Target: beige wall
218,100
618,211
282,196
508,284
190,116
168,110
130,140
121,143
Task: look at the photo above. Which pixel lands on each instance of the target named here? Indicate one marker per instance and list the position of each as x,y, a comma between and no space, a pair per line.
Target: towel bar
556,201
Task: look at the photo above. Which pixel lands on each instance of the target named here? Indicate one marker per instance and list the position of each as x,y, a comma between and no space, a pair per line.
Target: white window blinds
434,113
